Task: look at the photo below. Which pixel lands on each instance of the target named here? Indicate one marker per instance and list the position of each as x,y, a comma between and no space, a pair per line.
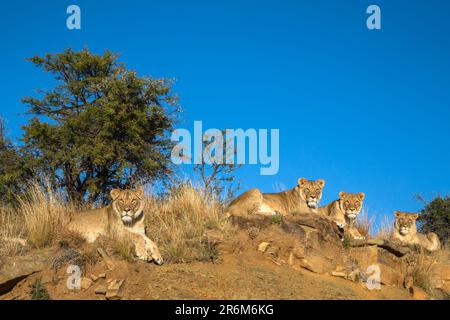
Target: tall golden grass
11,232
38,219
364,223
180,222
386,227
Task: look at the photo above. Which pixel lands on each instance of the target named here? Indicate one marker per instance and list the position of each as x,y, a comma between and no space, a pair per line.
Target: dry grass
386,228
181,221
38,220
420,270
364,223
44,214
11,233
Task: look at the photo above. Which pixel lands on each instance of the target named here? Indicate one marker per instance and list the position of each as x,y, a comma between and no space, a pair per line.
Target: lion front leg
140,247
153,251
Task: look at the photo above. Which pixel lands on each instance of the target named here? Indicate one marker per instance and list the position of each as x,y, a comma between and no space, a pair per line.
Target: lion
344,212
405,231
304,197
124,216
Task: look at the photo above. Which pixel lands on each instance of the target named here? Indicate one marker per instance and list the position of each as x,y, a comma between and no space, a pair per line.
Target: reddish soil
241,273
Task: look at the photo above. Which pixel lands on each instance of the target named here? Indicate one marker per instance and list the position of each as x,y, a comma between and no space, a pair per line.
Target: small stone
339,274
262,247
102,275
93,277
115,290
85,283
100,290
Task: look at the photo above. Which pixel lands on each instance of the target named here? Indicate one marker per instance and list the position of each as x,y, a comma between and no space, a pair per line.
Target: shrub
38,291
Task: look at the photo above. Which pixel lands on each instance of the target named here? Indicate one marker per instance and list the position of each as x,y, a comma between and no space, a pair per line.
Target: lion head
128,204
405,222
311,191
351,203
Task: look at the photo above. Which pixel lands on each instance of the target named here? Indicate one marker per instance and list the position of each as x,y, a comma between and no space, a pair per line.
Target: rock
109,263
100,290
85,283
102,275
93,277
115,290
15,269
339,274
418,294
391,277
262,247
317,246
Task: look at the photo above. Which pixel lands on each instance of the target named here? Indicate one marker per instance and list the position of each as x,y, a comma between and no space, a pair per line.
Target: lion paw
141,253
158,259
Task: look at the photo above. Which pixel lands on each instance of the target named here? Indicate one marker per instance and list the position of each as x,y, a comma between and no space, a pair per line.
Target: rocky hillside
300,257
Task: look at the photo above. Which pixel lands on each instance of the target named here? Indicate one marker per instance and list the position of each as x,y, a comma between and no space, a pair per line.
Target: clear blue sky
365,110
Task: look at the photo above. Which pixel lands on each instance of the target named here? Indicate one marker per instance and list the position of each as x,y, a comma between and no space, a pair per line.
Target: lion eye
307,190
346,203
318,190
357,203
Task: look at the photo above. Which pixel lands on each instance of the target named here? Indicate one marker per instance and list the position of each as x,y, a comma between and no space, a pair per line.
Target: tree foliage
100,127
14,172
435,218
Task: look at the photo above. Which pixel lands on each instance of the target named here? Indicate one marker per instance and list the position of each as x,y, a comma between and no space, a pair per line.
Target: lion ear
321,183
414,216
342,194
301,182
361,196
397,213
140,192
114,194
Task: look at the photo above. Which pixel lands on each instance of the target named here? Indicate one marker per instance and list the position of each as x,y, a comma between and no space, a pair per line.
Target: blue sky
365,110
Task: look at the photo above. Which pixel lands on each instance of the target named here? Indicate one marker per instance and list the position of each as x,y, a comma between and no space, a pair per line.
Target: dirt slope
247,274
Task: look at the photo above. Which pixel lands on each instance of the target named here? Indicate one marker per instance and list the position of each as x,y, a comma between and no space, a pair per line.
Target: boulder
317,246
15,269
390,276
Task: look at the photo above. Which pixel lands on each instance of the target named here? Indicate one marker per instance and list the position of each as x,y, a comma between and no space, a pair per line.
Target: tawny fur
405,231
302,198
124,216
344,212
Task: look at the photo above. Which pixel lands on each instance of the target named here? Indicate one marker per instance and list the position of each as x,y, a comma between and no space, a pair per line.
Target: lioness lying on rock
405,232
304,197
344,212
123,216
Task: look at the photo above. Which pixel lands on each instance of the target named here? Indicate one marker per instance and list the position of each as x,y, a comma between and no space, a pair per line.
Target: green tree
14,172
100,127
435,217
